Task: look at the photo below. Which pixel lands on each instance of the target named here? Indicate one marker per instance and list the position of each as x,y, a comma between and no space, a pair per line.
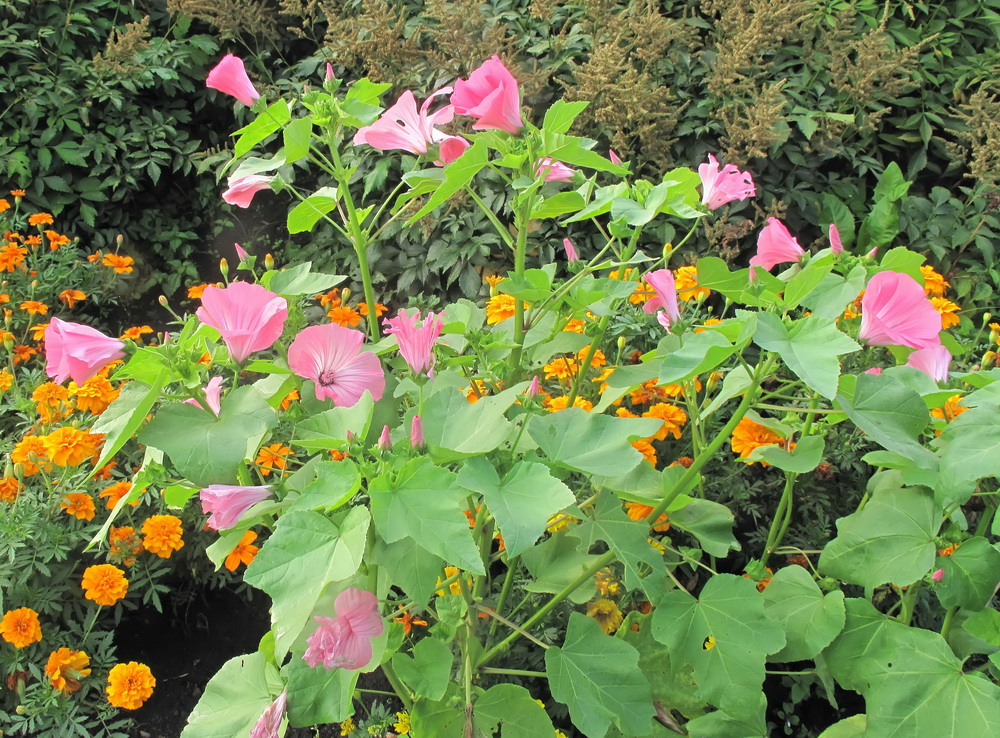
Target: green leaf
811,620
700,353
720,724
513,709
864,646
428,670
123,417
317,694
557,562
266,123
809,346
456,175
709,522
409,567
533,286
305,553
601,204
971,575
984,625
836,212
205,449
970,452
234,698
598,678
903,260
455,428
576,151
177,495
805,457
561,114
329,429
832,296
808,279
890,540
522,503
856,726
441,719
297,136
724,636
301,280
307,213
425,503
559,204
595,444
892,185
335,484
880,226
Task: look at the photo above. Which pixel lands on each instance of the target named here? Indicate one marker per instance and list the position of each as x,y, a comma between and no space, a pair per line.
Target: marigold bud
344,294
621,343
989,359
162,299
268,262
224,268
668,249
119,239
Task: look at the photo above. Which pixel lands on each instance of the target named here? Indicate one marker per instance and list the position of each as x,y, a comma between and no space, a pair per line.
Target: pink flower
533,388
249,317
938,575
329,73
932,361
227,503
492,96
241,253
720,187
267,725
78,352
230,76
615,159
415,339
662,280
450,148
242,190
416,433
571,255
384,441
345,641
896,312
874,370
836,245
403,127
213,395
555,171
775,245
330,355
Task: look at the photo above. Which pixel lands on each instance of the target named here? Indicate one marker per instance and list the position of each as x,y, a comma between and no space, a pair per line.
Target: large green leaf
971,575
856,726
428,670
234,699
561,114
809,347
123,417
455,428
558,561
335,484
442,719
808,279
300,280
700,353
424,502
456,175
513,709
296,139
724,636
805,457
330,429
810,619
522,503
832,295
410,567
205,449
891,540
266,123
317,694
304,554
970,452
865,645
720,724
595,444
598,678
709,522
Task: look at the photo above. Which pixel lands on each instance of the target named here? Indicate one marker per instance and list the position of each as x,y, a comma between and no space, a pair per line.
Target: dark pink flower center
327,378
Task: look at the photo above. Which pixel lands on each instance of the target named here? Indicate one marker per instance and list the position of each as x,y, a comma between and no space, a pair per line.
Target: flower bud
344,294
224,268
668,249
384,442
533,389
268,262
416,433
938,575
989,359
119,239
621,343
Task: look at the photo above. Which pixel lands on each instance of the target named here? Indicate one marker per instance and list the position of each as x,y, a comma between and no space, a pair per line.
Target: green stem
515,672
397,686
909,602
782,517
948,618
508,582
521,222
491,216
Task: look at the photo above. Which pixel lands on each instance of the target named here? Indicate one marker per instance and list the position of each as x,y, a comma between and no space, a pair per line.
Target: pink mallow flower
932,361
268,724
330,355
213,395
78,352
415,338
874,370
449,149
241,190
775,245
938,575
345,641
554,171
230,76
571,254
227,503
416,433
615,159
249,317
896,312
404,127
490,95
384,440
665,301
720,187
836,245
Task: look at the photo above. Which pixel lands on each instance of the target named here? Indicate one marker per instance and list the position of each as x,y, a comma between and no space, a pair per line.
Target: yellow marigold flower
162,535
4,205
645,448
41,219
934,283
38,331
289,399
9,489
94,395
121,264
596,362
124,544
657,546
947,550
33,241
96,256
951,410
69,446
273,457
12,256
649,392
554,404
748,435
947,309
6,380
560,368
499,308
606,584
672,416
50,399
244,552
638,511
329,299
23,353
80,505
343,315
196,291
402,724
129,685
606,613
33,307
455,587
104,584
31,452
379,309
4,297
135,333
686,281
623,412
115,492
20,627
574,326
66,668
479,389
559,522
710,321
104,473
347,727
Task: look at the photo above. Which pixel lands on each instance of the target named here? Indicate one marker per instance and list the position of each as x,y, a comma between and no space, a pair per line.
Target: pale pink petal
615,159
775,245
491,95
78,352
662,280
416,433
571,253
415,339
938,575
249,317
227,503
836,245
896,312
554,171
230,76
329,355
268,725
241,190
721,187
932,361
450,148
384,441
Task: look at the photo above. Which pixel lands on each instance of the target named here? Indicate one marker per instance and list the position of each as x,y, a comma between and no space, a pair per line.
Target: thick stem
397,686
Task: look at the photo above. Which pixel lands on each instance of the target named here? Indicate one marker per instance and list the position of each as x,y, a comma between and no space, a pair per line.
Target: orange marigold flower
6,380
645,448
4,297
493,279
104,473
625,413
20,627
273,457
195,292
935,284
330,299
96,256
596,362
649,392
561,367
30,452
638,511
499,308
379,309
748,435
94,395
287,401
947,309
686,280
162,535
135,333
12,256
38,331
553,404
56,240
41,219
244,552
51,400
80,505
345,316
709,321
115,492
69,446
124,544
337,455
33,241
574,326
23,353
66,668
947,550
17,193
479,389
672,416
121,264
129,685
4,205
951,410
762,584
9,489
607,615
408,621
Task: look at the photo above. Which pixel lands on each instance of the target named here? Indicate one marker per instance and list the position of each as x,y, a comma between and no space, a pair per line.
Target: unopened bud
416,433
224,268
19,470
162,299
268,262
987,317
20,710
119,239
621,343
34,284
344,294
384,442
713,380
533,388
989,359
668,249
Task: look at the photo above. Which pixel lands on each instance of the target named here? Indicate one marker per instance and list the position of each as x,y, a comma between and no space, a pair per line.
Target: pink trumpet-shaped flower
78,352
213,395
492,96
836,245
384,441
249,317
267,725
554,171
775,245
331,356
416,433
571,254
227,503
404,127
719,187
450,148
662,280
415,339
345,641
230,76
932,361
896,312
241,190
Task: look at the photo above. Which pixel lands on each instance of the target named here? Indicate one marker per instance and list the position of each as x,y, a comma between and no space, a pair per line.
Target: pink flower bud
836,245
571,255
533,389
416,433
384,442
938,575
329,72
615,159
